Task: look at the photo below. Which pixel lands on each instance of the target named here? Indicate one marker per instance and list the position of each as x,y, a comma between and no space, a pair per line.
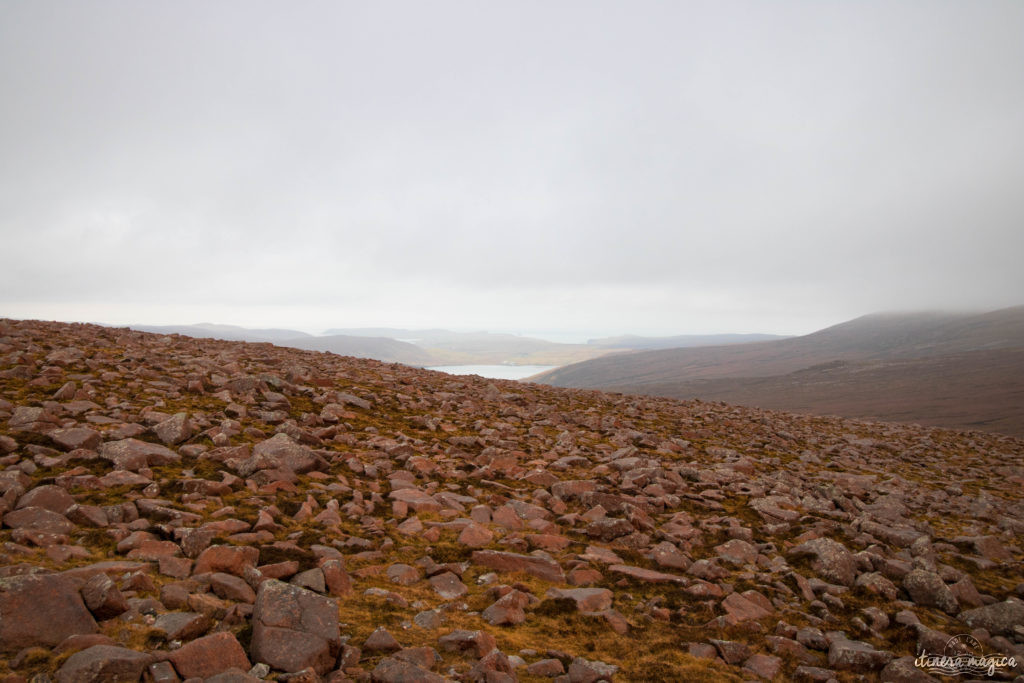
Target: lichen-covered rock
281,452
174,429
928,589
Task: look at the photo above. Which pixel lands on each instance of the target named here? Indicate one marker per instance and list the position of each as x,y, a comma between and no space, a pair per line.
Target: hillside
196,508
638,343
954,370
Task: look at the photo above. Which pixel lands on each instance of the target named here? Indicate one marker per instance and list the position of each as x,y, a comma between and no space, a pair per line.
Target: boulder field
178,509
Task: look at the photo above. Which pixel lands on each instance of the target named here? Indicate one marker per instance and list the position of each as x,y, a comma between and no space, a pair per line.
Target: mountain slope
893,366
638,343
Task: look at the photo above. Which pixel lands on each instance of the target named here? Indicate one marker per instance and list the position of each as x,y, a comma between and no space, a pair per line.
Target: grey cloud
694,164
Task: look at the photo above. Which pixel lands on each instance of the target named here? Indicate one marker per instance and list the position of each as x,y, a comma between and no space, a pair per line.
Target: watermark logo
963,655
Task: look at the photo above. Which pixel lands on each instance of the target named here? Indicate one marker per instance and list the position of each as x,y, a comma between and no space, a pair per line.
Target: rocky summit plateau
191,509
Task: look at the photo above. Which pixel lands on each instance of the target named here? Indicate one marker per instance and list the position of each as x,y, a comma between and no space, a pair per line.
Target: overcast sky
576,167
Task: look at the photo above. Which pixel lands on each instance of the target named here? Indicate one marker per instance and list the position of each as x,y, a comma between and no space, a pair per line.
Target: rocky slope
177,508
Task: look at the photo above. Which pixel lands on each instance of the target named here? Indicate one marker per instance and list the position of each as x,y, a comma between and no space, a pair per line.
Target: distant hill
390,332
488,347
630,341
433,347
471,348
944,369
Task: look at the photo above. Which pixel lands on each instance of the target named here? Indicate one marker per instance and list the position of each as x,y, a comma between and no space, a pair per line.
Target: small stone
312,579
876,583
226,558
336,578
763,666
448,586
182,625
210,655
403,574
740,608
429,619
586,671
48,497
541,567
507,610
174,430
231,587
813,674
586,599
163,672
904,670
474,643
82,642
476,536
381,641
395,670
101,663
853,655
927,589
548,668
830,560
999,618
733,652
103,598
